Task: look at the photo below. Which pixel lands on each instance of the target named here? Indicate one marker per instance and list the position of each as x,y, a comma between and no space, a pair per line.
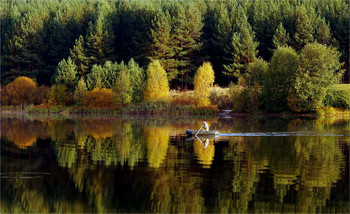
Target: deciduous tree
157,87
203,83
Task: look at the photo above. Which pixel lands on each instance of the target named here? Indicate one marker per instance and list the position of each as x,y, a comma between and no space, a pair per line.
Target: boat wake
280,134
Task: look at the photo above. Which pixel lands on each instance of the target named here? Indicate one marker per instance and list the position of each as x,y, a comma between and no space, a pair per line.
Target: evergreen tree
157,87
66,73
123,88
323,33
100,37
242,49
304,30
221,38
187,32
281,37
77,53
160,47
203,83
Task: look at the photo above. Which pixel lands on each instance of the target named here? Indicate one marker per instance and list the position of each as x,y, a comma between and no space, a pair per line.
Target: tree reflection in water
144,165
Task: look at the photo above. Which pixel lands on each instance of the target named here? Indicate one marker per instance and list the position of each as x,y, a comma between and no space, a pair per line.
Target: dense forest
39,37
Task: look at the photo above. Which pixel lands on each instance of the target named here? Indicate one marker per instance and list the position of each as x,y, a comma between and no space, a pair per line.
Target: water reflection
148,165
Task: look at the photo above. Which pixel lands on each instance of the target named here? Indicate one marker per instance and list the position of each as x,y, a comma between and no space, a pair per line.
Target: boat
193,132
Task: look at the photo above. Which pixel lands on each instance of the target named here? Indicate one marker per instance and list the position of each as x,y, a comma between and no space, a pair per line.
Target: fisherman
205,126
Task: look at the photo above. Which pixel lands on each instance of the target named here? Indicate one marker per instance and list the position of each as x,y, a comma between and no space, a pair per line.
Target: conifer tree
187,32
304,30
77,53
100,37
203,83
323,33
221,38
123,88
157,87
160,47
281,37
66,73
242,49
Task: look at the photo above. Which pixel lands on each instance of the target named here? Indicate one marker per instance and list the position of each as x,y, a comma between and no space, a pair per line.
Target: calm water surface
258,164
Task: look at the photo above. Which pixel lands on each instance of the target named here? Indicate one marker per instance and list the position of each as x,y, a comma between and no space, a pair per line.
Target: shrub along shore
183,103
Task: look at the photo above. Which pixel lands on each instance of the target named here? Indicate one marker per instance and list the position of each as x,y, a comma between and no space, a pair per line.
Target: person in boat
205,126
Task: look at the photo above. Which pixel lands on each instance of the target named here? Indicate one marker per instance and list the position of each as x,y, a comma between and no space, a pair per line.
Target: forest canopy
57,41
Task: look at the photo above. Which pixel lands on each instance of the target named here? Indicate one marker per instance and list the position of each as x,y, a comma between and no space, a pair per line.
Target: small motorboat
193,132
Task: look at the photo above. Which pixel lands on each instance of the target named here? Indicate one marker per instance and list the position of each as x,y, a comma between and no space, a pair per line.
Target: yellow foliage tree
19,90
157,87
203,83
98,98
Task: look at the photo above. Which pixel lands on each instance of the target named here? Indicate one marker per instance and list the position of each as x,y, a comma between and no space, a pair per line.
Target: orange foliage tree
19,91
98,98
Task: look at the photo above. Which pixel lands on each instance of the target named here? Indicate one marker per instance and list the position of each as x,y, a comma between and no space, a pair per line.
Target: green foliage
58,95
338,97
161,47
243,98
66,74
281,37
187,26
80,91
256,72
304,30
319,69
242,49
323,32
280,76
103,76
123,89
100,37
203,83
157,87
138,80
78,55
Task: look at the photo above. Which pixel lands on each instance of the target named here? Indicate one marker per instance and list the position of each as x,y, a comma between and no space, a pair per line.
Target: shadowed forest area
110,50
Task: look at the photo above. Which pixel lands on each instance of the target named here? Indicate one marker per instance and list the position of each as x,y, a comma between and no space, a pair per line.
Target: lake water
147,164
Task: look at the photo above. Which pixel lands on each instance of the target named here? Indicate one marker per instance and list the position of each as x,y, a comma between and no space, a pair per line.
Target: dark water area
148,165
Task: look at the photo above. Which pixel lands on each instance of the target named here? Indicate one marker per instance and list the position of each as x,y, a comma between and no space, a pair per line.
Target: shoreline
193,112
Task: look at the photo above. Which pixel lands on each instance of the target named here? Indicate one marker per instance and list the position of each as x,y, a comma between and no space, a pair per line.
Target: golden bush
98,98
18,91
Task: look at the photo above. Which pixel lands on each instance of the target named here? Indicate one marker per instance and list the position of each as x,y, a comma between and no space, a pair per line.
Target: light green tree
203,83
279,78
281,37
123,88
80,91
319,69
66,73
138,80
